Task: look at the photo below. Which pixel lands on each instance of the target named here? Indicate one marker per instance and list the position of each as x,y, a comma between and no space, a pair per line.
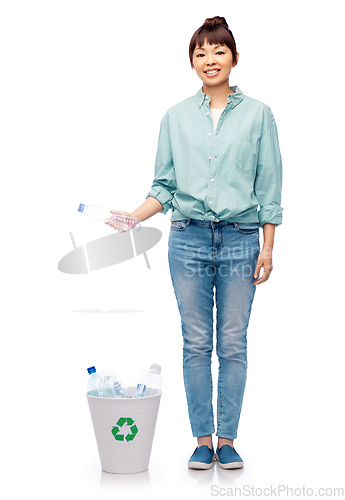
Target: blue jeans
205,257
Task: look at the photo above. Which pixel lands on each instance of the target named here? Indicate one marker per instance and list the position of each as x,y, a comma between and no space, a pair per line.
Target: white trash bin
124,430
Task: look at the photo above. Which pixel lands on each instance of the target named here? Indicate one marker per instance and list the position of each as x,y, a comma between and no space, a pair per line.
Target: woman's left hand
265,261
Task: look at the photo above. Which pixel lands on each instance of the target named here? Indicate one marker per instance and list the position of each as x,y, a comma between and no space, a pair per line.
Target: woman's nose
210,59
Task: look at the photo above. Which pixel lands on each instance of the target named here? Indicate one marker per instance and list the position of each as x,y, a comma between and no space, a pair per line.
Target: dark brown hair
216,31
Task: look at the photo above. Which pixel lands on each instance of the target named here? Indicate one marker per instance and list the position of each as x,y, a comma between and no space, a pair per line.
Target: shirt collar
235,98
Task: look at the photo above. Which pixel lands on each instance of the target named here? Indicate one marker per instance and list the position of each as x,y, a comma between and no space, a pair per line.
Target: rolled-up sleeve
164,184
269,175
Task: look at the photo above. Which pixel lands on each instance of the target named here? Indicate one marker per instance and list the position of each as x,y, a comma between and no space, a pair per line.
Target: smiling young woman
219,169
213,65
212,54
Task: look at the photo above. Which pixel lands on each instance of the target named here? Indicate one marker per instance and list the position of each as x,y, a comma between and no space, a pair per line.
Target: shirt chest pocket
244,154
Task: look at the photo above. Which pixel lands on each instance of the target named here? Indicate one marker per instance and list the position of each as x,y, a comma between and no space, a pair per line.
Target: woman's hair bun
216,20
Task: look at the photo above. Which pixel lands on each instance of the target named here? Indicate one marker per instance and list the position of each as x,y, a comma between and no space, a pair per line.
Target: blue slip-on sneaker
202,458
228,457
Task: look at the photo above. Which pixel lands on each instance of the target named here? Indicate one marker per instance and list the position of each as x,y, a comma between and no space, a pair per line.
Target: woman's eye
219,52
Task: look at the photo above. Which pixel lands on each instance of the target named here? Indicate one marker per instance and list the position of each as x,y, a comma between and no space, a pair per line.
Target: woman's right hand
150,207
121,221
120,212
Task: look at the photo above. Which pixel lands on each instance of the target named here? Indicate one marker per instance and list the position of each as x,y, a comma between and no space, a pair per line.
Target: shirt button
215,156
207,113
210,157
212,179
210,202
210,133
200,103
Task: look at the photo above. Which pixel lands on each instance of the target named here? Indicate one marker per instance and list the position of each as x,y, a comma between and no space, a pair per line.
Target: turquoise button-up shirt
233,173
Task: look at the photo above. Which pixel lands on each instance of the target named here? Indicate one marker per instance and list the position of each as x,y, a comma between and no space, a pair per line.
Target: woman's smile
212,72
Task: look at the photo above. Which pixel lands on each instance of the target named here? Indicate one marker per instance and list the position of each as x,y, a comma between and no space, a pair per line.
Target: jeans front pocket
247,227
180,225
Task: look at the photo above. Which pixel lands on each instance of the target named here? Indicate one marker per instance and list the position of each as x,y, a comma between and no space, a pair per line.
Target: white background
84,85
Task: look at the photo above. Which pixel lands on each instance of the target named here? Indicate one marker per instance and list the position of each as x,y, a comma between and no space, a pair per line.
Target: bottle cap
81,208
156,367
91,370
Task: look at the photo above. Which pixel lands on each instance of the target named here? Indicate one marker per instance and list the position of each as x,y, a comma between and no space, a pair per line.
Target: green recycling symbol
120,423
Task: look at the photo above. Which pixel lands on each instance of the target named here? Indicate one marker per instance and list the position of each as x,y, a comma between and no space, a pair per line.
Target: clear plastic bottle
94,383
111,387
152,382
94,212
118,222
140,392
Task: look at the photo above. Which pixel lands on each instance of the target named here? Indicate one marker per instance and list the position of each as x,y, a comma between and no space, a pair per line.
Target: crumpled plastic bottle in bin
112,388
105,386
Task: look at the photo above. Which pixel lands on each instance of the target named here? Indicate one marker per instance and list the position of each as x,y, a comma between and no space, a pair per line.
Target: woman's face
213,63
